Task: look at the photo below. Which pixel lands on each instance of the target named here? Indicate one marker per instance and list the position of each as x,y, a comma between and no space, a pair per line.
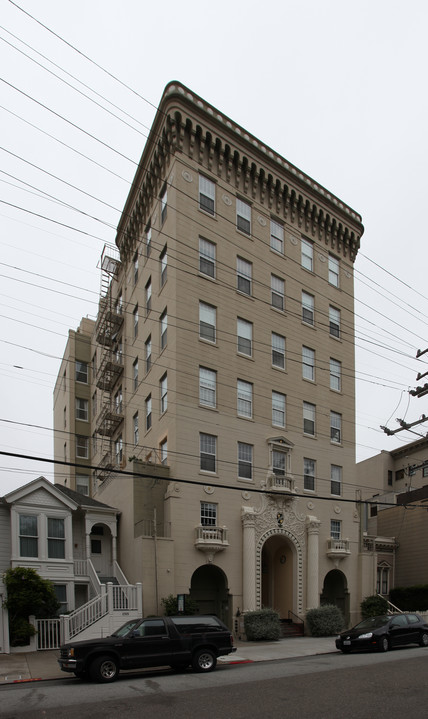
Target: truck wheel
104,669
204,660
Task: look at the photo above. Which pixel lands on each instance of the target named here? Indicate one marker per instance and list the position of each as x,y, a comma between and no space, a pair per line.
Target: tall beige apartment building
221,376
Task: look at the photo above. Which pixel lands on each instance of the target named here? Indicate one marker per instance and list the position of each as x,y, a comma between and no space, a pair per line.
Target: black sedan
384,632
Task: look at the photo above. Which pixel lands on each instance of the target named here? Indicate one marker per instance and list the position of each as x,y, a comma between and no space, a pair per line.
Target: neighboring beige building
223,361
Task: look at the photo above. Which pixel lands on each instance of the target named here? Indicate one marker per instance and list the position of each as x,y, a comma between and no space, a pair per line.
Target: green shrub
27,593
373,606
410,599
170,606
262,624
325,621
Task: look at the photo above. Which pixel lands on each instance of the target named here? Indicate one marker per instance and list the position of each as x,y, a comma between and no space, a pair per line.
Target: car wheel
383,644
204,660
104,669
423,639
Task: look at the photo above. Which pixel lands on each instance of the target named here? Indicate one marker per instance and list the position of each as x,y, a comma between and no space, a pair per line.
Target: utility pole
419,391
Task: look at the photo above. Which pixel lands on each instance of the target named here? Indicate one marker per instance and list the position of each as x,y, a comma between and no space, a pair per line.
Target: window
382,580
424,471
335,529
276,237
278,409
207,387
333,271
245,398
148,241
81,372
65,417
335,374
243,216
244,271
118,449
82,483
334,321
119,304
118,351
308,363
335,427
164,263
163,385
336,479
94,442
307,255
163,329
164,204
148,291
207,251
135,374
208,450
245,460
148,412
163,447
82,447
208,514
309,418
277,292
94,404
61,595
399,474
309,474
278,351
308,306
28,536
245,337
56,538
94,364
148,346
390,477
207,322
135,265
278,462
135,321
82,409
135,426
206,195
64,381
118,401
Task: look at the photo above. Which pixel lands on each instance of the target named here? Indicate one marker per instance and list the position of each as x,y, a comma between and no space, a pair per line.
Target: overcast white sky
337,87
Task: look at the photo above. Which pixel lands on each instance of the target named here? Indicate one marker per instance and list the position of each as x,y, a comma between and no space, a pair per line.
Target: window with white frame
82,409
163,266
243,216
135,374
245,337
148,294
164,393
163,329
333,271
277,236
164,204
148,241
336,480
118,401
148,348
336,427
277,292
119,304
61,596
135,267
309,418
82,484
279,462
335,374
307,255
135,427
244,271
207,257
308,308
207,387
148,404
278,351
208,452
206,195
278,409
309,474
118,449
335,529
118,351
334,322
207,322
163,448
425,471
382,579
245,460
28,535
56,538
308,363
82,447
208,514
245,398
81,372
135,321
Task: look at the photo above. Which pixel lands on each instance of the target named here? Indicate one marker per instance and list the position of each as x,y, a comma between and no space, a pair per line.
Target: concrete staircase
291,629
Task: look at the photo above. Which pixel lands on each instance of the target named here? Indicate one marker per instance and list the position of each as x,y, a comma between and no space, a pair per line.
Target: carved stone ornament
293,240
337,510
348,275
245,495
310,505
266,518
187,176
208,489
261,220
226,199
322,258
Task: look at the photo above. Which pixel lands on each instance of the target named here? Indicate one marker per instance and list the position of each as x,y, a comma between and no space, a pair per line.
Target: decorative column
248,559
312,592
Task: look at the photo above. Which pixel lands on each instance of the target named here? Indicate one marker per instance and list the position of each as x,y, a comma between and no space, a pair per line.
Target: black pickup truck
158,641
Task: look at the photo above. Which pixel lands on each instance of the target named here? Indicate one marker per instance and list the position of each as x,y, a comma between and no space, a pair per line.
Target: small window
208,450
148,291
308,363
245,399
309,418
245,337
148,241
276,237
389,478
244,272
207,387
135,374
95,546
278,351
333,271
308,308
148,412
118,449
61,595
82,409
81,372
208,514
82,447
335,375
243,216
334,322
163,329
56,538
28,535
164,393
207,259
307,255
164,204
148,348
207,322
164,264
279,460
135,427
335,529
135,266
336,480
245,460
82,484
278,409
309,474
135,321
206,195
163,447
277,289
335,427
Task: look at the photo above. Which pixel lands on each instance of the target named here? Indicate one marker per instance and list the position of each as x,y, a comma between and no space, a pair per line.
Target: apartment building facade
222,375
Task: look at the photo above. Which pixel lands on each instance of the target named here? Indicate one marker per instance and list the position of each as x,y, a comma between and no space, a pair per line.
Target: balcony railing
109,421
338,548
211,539
109,371
280,482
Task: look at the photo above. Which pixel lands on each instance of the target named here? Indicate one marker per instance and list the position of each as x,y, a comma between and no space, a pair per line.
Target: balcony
280,482
105,467
109,372
211,540
108,325
109,421
338,548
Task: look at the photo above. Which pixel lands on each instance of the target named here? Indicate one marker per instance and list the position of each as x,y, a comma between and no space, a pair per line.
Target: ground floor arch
209,589
277,575
335,591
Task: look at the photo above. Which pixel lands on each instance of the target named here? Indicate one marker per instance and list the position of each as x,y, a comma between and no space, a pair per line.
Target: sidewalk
43,665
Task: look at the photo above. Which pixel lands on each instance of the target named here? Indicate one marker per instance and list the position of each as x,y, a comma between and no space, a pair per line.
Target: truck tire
104,669
204,660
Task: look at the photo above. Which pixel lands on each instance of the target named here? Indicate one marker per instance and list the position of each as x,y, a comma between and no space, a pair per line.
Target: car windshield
125,628
372,623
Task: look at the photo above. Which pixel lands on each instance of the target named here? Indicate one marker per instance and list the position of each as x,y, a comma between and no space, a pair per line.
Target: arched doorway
335,591
278,575
101,550
208,588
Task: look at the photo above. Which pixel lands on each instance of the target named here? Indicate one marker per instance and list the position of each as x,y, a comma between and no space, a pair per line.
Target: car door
148,645
399,631
414,628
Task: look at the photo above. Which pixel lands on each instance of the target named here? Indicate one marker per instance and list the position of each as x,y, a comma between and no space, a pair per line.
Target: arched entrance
101,549
208,588
278,575
335,591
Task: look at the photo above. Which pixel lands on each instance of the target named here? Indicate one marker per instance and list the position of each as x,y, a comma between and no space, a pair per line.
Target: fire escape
110,366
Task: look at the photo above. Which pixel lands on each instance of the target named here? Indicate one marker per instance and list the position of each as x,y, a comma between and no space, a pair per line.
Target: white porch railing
80,619
48,633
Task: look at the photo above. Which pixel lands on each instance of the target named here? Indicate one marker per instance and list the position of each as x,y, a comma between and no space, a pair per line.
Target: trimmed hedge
410,599
325,621
261,625
373,606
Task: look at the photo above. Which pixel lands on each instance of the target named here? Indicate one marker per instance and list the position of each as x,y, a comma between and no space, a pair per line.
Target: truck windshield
125,628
